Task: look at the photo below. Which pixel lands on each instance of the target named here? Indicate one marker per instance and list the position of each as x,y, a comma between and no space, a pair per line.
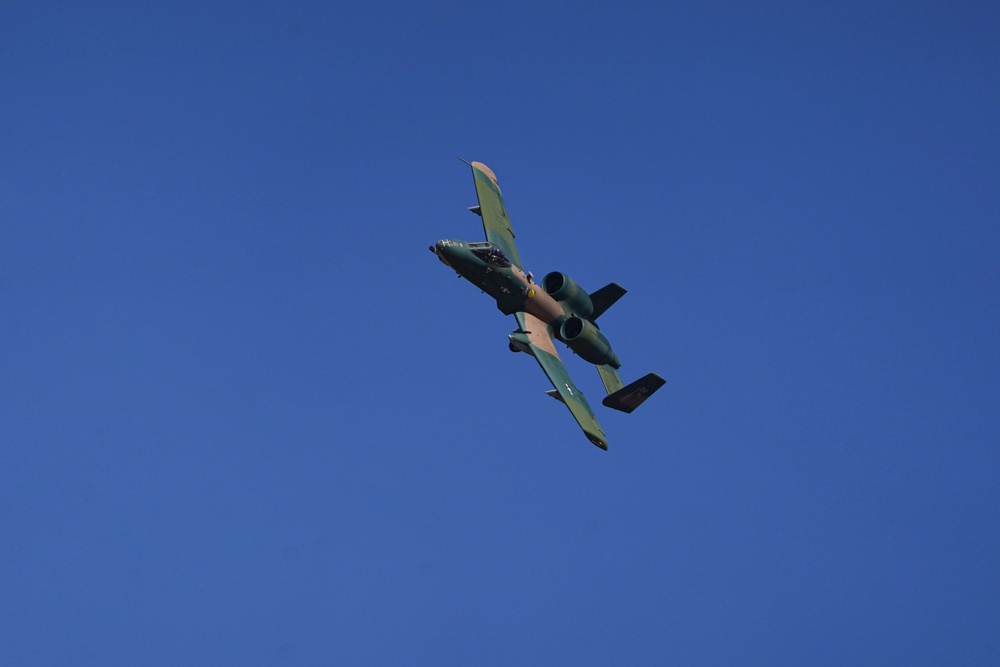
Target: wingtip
597,440
480,167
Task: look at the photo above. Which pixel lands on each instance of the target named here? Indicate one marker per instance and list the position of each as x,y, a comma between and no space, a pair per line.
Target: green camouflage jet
558,308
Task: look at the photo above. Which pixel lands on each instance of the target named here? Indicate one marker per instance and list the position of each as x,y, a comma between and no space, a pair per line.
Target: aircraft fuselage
486,268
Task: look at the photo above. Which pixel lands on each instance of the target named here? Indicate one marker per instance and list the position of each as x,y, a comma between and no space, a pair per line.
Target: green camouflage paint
495,267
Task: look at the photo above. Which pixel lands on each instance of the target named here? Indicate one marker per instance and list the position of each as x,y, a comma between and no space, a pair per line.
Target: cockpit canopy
489,253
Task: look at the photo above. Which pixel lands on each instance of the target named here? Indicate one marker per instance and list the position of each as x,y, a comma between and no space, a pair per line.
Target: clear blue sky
247,418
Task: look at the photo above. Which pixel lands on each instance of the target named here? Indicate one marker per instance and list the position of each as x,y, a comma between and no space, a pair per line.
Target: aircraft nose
441,249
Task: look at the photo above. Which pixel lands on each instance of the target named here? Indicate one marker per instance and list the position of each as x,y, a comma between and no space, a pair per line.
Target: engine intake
564,289
586,340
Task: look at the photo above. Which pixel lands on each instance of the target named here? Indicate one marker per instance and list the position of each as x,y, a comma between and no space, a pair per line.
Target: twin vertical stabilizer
629,397
604,298
621,397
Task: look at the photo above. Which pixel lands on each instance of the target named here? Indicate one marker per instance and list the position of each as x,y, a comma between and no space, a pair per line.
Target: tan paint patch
489,172
538,334
541,305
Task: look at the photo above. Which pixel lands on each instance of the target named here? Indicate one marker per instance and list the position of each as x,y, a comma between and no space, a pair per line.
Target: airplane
556,309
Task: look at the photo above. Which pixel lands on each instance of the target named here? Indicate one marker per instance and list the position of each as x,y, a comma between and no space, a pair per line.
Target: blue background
247,418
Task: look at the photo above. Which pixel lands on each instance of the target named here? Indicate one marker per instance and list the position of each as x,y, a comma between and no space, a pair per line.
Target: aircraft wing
494,214
539,338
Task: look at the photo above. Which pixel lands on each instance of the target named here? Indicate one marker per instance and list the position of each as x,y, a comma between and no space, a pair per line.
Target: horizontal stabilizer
631,396
605,297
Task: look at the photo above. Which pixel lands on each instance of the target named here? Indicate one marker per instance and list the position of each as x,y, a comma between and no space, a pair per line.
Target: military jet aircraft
556,309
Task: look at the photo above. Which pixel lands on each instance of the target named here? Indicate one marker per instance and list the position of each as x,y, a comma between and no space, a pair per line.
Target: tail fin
604,298
631,396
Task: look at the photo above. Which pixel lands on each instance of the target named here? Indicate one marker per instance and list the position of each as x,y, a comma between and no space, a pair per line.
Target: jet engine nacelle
564,289
586,340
